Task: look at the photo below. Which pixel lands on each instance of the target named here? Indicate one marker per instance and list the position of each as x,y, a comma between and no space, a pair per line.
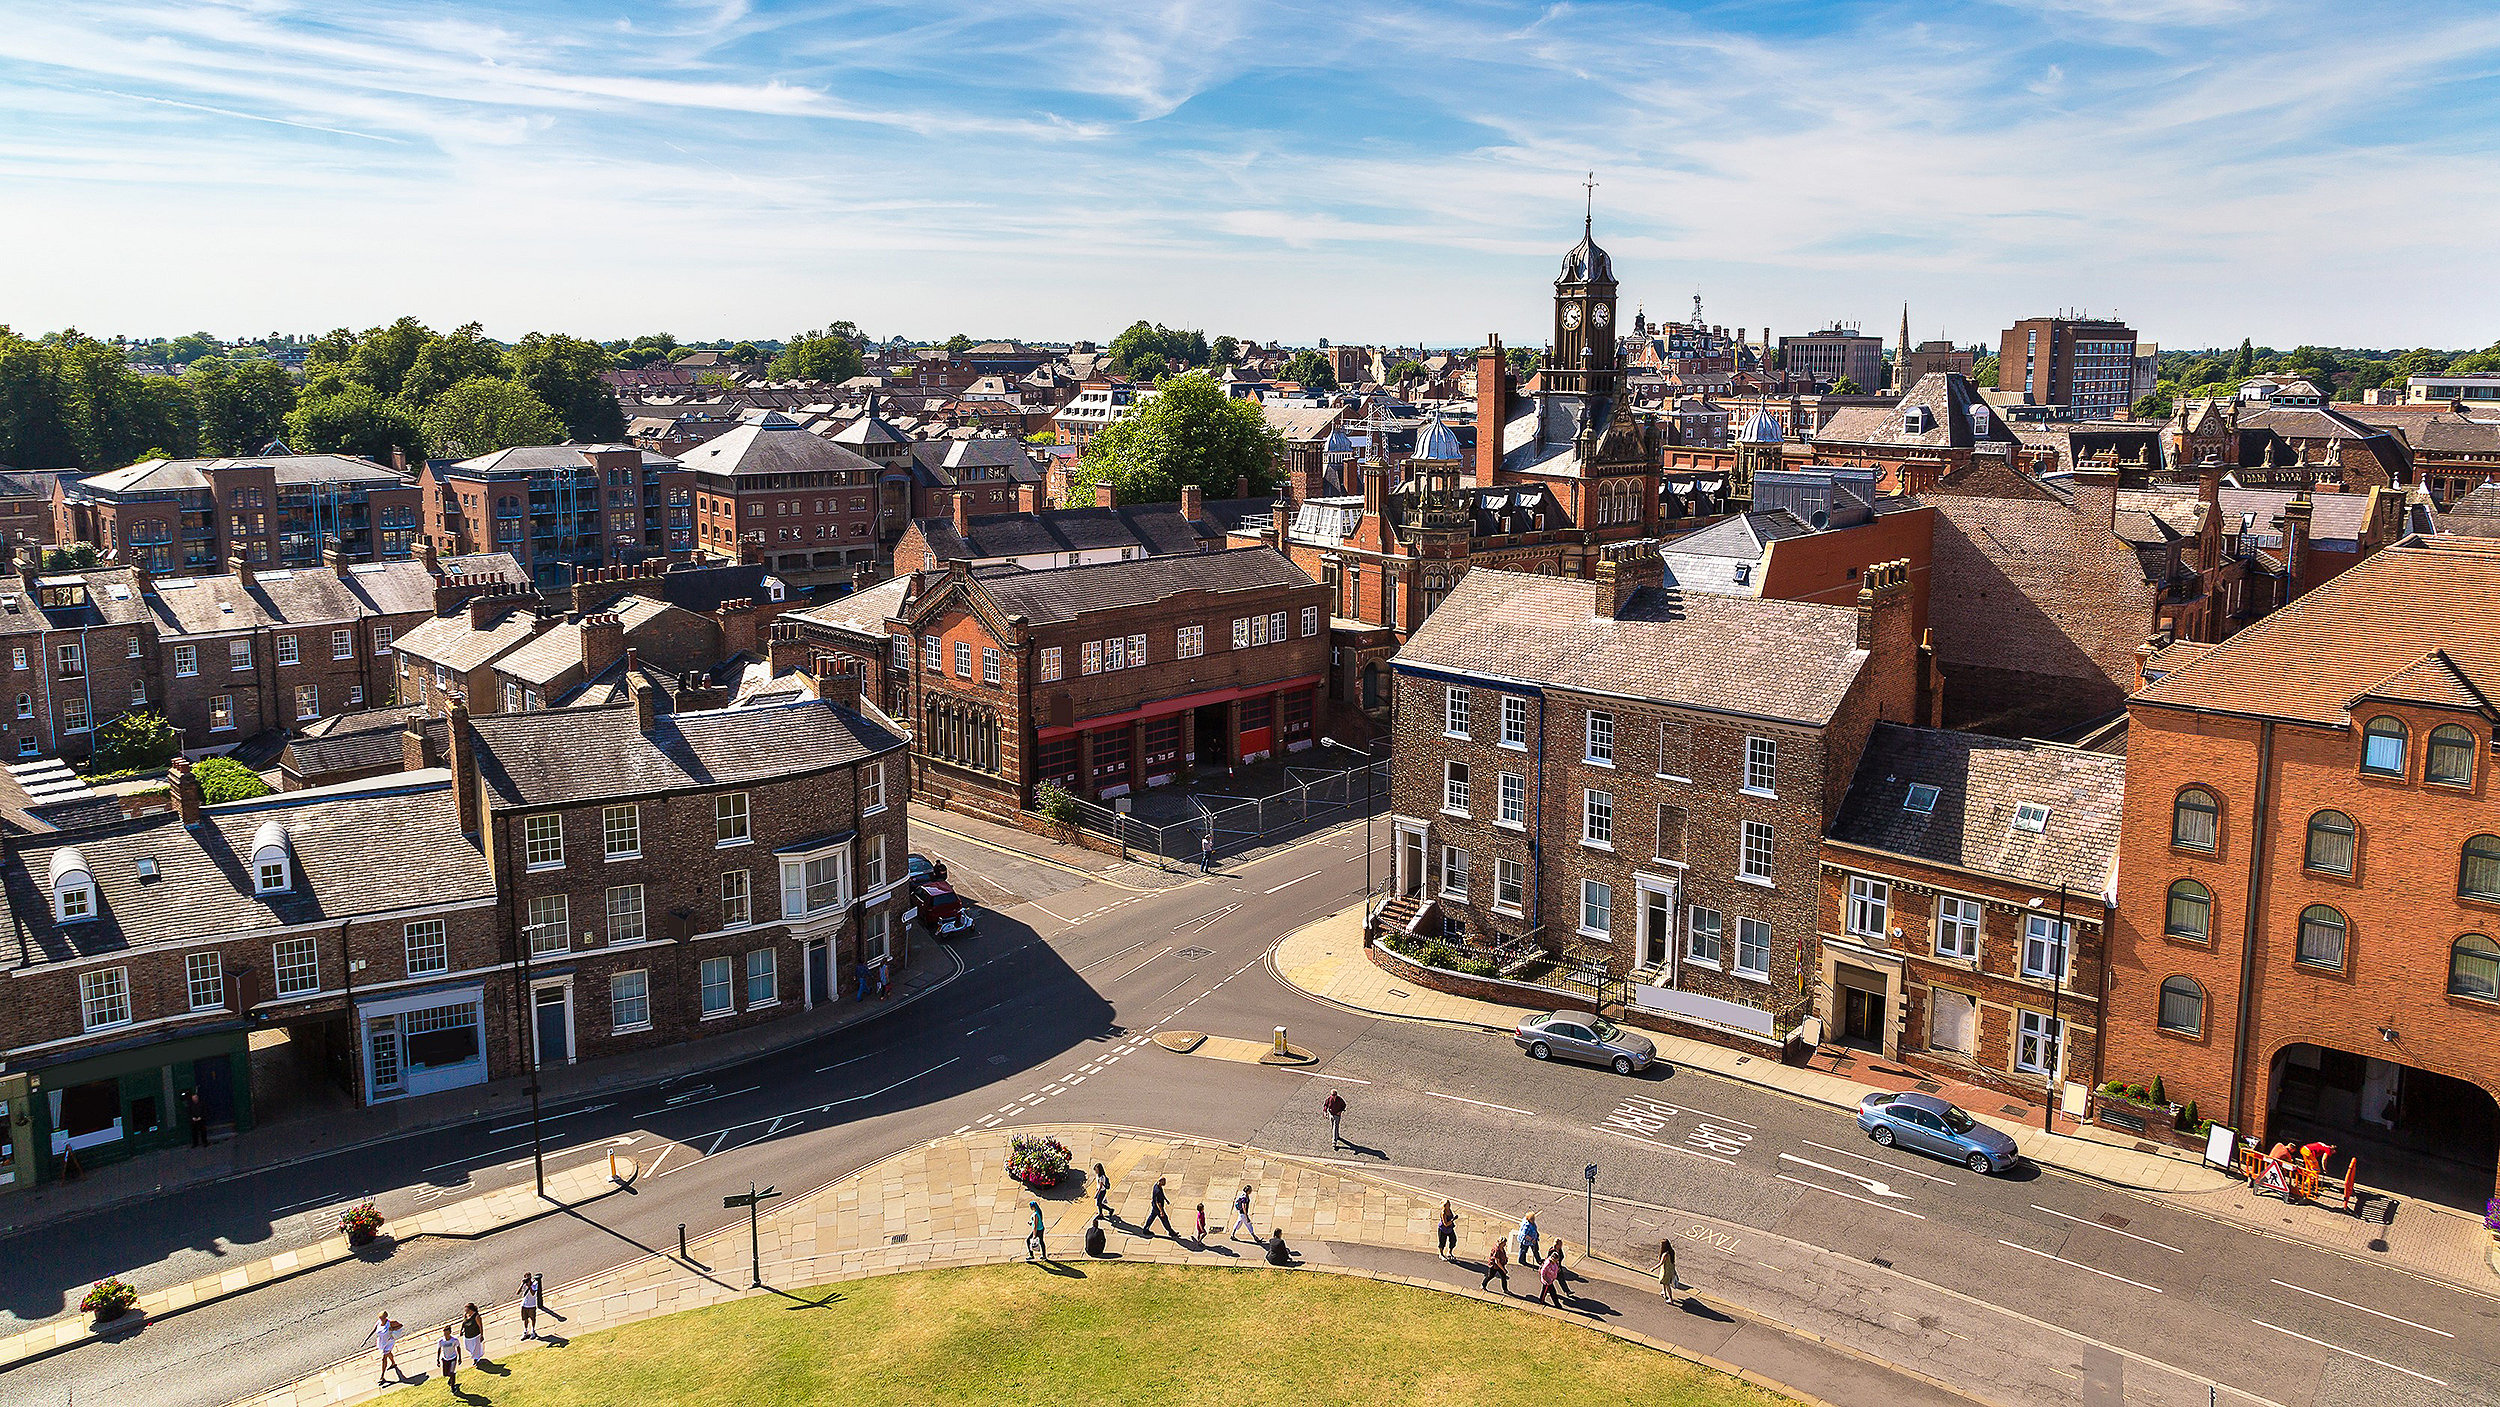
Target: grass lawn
1136,1335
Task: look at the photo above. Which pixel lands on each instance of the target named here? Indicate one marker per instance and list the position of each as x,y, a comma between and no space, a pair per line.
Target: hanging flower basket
362,1222
1037,1162
111,1298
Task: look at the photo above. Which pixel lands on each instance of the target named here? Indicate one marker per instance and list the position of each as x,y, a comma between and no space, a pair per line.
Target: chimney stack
1492,406
1028,498
1280,524
464,784
1105,496
1193,503
334,557
427,558
185,789
1623,571
241,569
646,706
1375,488
2296,515
1883,589
738,627
786,653
835,683
963,514
412,749
603,640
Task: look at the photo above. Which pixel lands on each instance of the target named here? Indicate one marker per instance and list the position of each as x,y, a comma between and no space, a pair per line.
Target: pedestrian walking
1529,1252
1102,1194
1202,1224
1206,853
447,1358
1666,1268
196,1109
1497,1265
1241,1216
473,1334
386,1337
885,979
1158,1210
529,1306
1033,1246
1334,1107
538,1288
1562,1272
1448,1237
1549,1284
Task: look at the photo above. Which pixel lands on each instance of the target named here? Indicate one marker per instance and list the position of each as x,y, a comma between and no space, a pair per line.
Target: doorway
1861,1019
1657,940
2417,1132
819,972
1410,863
1212,728
554,1012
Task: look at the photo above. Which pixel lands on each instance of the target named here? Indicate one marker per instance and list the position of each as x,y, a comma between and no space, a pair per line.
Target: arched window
2451,757
2191,912
2322,931
2330,843
2192,819
273,860
73,886
2479,878
2474,968
2383,747
2182,1006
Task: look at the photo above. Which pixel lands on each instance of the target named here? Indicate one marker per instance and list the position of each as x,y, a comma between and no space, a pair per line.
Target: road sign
748,1198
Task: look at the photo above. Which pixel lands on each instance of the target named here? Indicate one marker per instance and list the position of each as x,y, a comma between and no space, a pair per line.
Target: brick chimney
413,755
646,706
786,652
399,459
835,684
185,789
427,558
1375,488
2296,515
603,642
486,609
1105,496
740,627
242,571
1623,571
864,576
465,793
1492,407
1241,486
1193,503
1883,593
963,514
334,558
1280,526
1028,498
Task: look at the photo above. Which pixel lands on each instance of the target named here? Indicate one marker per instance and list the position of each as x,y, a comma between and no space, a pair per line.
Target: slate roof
163,475
2353,634
1065,593
1947,398
203,887
451,641
1301,423
771,443
1785,661
521,458
982,459
1979,781
370,744
1156,529
551,652
2436,680
209,605
2440,432
1743,536
552,758
861,612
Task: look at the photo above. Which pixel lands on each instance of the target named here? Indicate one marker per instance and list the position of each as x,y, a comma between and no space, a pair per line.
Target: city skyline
1390,174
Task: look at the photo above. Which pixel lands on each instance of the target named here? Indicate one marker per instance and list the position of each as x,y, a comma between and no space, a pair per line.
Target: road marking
1896,1167
1479,1103
854,1060
1054,1089
654,1169
1095,1069
2114,1231
1687,1152
1008,1108
1113,957
1142,967
961,1131
2079,1265
989,1123
2339,1348
1288,884
1203,922
1852,1196
551,1118
1321,1075
687,1101
1880,1189
1076,1079
2348,1304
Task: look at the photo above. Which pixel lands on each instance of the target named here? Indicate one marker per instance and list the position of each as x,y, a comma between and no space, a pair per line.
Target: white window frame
901,655
737,899
1758,966
733,820
2034,1030
796,887
1310,621
104,998
1869,908
1597,818
1514,722
1457,705
1092,657
1457,787
542,845
295,966
706,985
1509,885
1454,862
186,661
1597,900
204,981
629,1001
872,788
1762,767
382,637
1959,922
238,655
1705,944
989,665
934,653
425,945
1510,800
548,925
963,659
2045,937
763,965
288,651
1748,869
1050,663
342,644
620,831
1192,642
628,919
1597,738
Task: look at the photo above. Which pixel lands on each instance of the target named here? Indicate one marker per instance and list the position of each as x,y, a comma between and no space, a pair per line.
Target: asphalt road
1047,1022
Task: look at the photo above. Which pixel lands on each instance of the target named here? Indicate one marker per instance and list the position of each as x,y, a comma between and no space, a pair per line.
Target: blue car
1926,1124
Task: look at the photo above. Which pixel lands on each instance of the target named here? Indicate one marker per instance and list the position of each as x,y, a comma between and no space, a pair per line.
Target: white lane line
1054,1089
1896,1167
854,1060
1091,1069
2348,1304
1140,967
2147,1240
1288,884
1852,1196
1113,957
1877,1186
961,1131
1479,1103
1671,1148
1008,1108
990,1122
715,1148
1321,1075
2079,1265
2339,1348
1076,1079
673,1107
551,1118
654,1169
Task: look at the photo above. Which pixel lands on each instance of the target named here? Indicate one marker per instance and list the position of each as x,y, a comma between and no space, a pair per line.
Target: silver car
1593,1040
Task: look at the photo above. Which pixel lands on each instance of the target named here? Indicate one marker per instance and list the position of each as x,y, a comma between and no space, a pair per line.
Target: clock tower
1585,359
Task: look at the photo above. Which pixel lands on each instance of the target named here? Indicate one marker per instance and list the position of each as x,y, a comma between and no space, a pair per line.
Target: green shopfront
100,1108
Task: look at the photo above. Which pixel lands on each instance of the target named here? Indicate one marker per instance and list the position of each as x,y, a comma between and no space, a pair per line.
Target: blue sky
1363,172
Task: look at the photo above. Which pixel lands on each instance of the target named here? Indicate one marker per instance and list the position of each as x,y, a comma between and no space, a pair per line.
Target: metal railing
1316,797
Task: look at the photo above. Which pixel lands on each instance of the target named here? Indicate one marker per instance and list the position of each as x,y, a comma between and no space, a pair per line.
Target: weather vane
1588,216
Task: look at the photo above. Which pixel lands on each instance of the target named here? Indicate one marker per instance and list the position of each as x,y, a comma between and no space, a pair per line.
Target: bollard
681,1243
1280,1040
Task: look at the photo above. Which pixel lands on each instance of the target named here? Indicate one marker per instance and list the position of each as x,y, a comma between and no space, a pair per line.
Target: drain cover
2114,1221
998,1060
1928,1087
1193,954
2012,1109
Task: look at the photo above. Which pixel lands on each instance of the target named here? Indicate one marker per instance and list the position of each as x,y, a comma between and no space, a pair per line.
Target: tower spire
1901,354
1588,213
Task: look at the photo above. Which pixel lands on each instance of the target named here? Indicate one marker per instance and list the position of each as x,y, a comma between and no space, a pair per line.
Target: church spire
1901,353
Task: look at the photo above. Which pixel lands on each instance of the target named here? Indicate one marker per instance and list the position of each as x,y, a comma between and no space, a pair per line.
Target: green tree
1189,432
2247,360
958,344
186,349
825,355
224,779
2421,361
484,414
1846,387
445,362
76,557
2154,405
744,352
1311,370
2477,363
1226,350
1523,361
72,402
1146,350
1407,371
242,405
565,372
354,419
716,381
1983,371
136,741
385,355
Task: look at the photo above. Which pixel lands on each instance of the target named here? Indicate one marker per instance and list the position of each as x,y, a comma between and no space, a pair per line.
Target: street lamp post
1367,810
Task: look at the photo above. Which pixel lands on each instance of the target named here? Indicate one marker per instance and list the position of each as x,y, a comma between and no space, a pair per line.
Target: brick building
772,491
1833,353
1946,877
26,511
2309,882
2084,364
1101,679
1037,537
1638,778
277,509
556,509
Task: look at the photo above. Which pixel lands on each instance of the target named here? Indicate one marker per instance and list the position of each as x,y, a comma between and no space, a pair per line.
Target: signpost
1588,1214
749,1199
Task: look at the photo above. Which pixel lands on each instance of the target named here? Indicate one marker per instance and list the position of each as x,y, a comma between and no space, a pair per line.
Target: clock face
1571,315
1602,314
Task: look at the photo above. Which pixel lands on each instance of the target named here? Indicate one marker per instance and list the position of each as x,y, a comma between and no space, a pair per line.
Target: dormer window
73,887
2031,816
273,860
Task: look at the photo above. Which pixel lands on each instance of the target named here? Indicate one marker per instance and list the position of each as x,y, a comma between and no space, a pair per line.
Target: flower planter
1039,1163
108,1314
362,1236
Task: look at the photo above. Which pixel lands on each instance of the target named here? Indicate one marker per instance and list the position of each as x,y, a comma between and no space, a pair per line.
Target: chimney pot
185,789
1193,503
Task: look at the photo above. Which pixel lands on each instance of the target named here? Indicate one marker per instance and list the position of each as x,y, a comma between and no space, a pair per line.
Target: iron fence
1315,797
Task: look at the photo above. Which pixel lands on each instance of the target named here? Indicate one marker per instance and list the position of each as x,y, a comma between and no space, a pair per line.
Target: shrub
1036,1161
1476,967
2139,1094
1055,804
2157,1099
110,1296
136,742
2187,1115
224,779
2117,1088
